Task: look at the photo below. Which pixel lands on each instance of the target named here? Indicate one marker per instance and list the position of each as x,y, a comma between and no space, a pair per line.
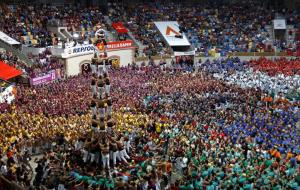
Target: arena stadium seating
212,122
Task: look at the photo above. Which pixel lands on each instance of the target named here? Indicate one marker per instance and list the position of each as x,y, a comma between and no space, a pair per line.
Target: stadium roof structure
7,72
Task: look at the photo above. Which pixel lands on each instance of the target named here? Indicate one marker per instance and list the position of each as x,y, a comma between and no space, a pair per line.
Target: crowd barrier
233,54
258,54
236,54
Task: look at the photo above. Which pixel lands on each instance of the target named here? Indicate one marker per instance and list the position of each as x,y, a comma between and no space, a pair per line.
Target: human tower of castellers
113,146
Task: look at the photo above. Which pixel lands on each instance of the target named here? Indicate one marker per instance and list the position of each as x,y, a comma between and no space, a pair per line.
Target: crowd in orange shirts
282,65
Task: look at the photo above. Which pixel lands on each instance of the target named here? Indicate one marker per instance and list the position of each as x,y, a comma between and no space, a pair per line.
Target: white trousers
94,68
114,156
85,156
105,160
94,89
123,155
94,157
100,70
128,146
78,145
94,111
107,89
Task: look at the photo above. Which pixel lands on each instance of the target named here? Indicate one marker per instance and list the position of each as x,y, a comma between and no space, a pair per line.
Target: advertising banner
179,53
279,24
78,50
172,34
116,45
51,76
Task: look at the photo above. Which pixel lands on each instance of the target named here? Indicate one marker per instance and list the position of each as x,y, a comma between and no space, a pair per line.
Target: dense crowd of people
274,76
27,24
227,28
277,66
218,124
42,63
86,21
138,23
167,133
12,60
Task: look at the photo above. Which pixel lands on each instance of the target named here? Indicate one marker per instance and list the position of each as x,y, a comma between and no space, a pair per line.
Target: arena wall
73,64
169,59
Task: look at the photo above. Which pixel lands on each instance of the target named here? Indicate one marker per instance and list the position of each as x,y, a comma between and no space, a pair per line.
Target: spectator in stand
227,28
27,24
85,21
44,63
12,60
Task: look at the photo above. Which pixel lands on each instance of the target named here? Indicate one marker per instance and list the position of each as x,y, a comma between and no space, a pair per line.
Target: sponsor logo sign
51,76
116,45
171,33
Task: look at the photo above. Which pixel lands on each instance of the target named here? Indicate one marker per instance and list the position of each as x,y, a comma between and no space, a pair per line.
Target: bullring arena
138,95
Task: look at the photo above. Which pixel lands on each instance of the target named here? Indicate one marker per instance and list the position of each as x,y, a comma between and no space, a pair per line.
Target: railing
259,54
66,33
235,54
